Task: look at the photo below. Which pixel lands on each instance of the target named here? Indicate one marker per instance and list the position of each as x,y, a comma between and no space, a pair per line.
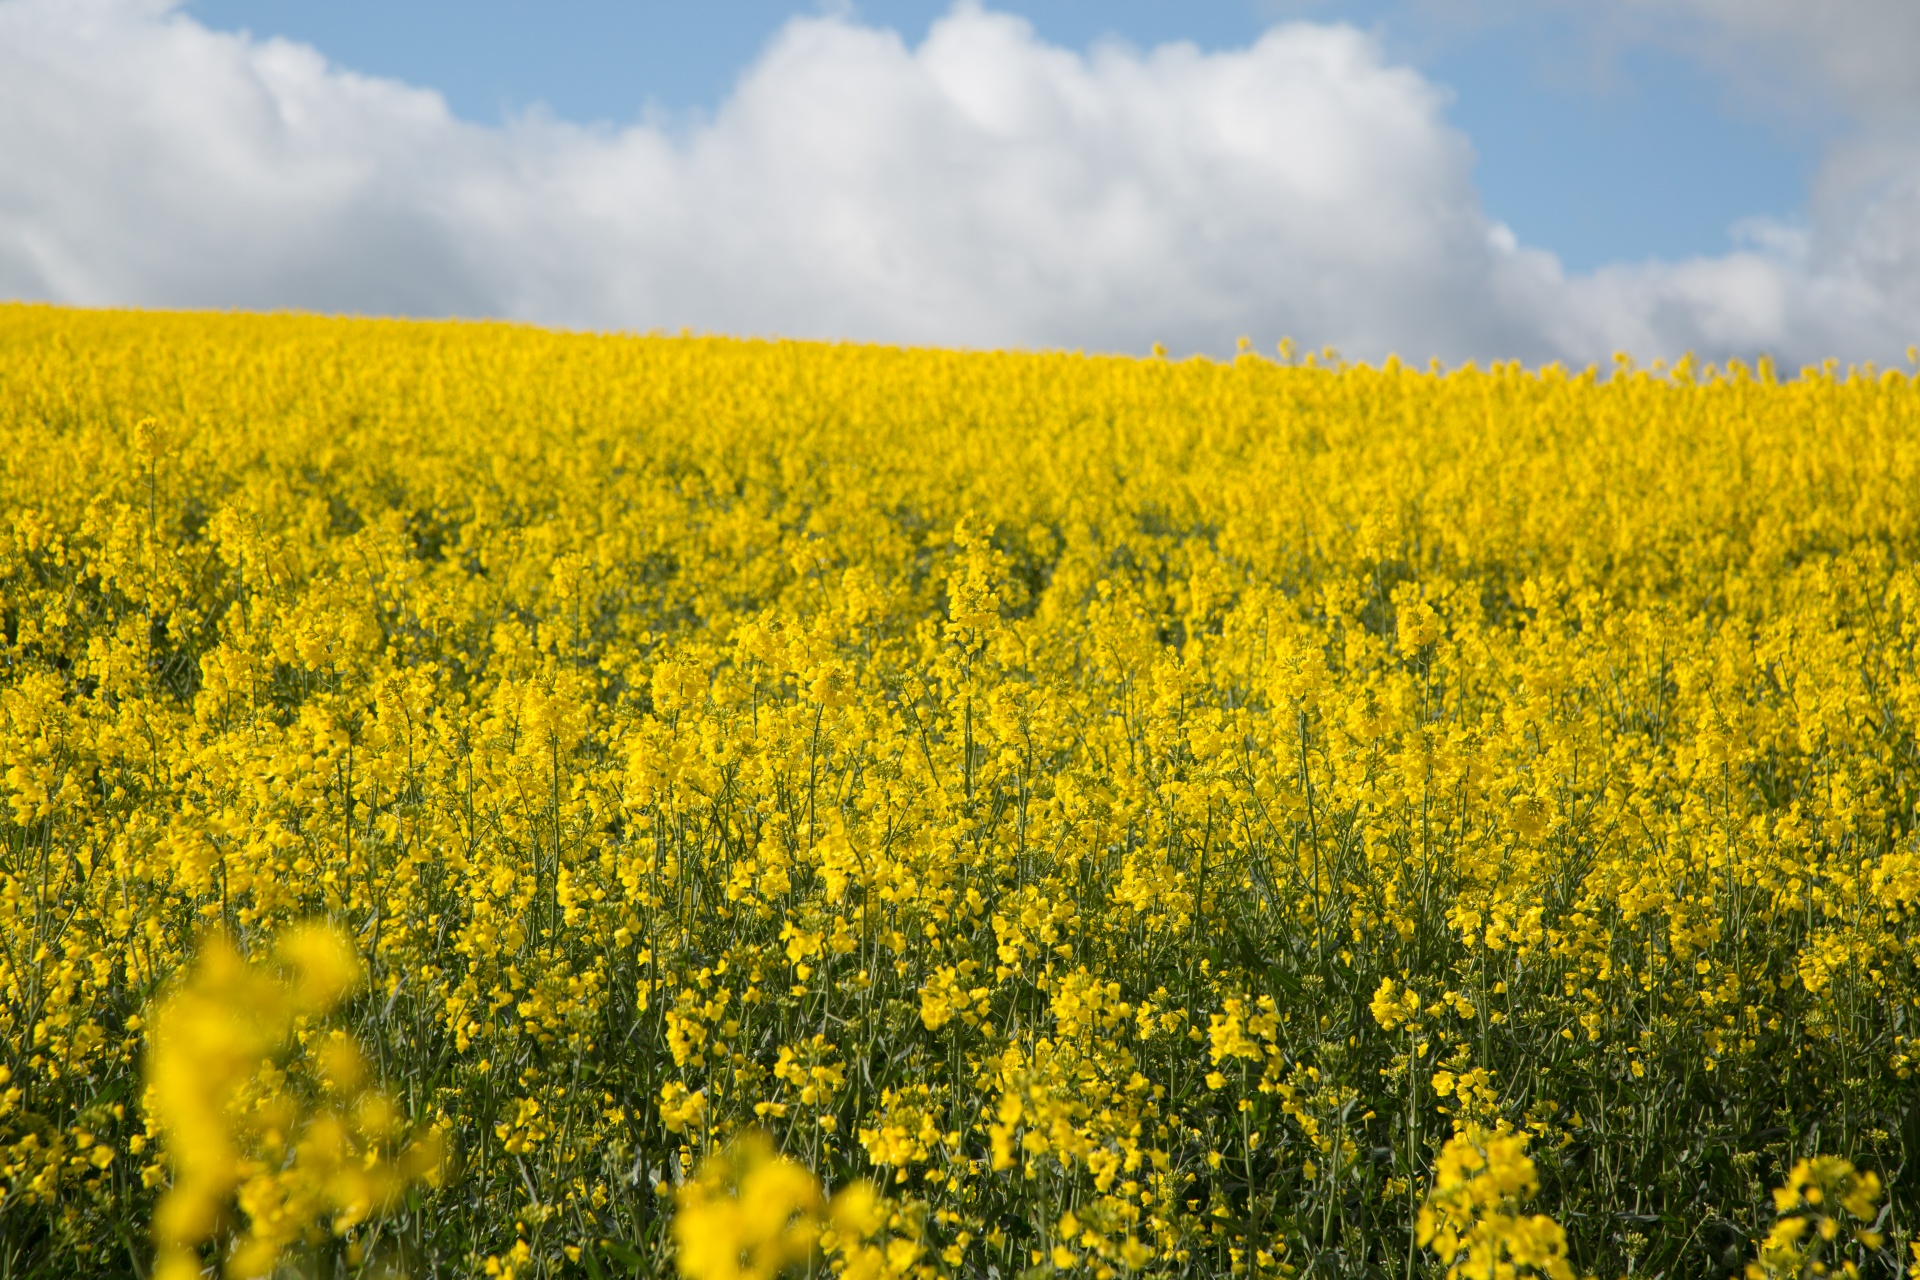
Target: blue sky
1540,180
1599,153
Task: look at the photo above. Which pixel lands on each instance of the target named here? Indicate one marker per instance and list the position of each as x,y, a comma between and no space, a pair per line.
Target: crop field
484,801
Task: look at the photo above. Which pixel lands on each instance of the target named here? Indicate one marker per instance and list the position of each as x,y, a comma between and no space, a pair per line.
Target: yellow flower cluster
1130,815
1472,1219
751,1214
233,1121
1821,1198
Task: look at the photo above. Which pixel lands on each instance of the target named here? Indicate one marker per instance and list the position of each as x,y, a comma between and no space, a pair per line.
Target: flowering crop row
1129,815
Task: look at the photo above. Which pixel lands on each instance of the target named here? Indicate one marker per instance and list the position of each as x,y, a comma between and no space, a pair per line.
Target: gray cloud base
980,189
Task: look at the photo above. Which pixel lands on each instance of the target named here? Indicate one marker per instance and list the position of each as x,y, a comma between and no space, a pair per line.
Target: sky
1461,179
1603,154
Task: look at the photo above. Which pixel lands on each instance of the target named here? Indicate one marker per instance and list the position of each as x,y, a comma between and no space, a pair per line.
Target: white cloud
1850,281
1859,54
982,188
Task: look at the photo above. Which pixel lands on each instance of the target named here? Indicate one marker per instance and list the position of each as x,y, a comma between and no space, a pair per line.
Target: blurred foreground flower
751,1213
1472,1217
260,1108
1823,1197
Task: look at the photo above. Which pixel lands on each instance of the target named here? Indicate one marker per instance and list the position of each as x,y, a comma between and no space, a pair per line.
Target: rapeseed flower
1133,812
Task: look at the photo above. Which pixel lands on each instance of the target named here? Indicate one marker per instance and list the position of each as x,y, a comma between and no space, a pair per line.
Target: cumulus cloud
1853,273
982,188
1858,54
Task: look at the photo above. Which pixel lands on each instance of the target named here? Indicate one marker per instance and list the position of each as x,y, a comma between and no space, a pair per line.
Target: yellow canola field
1129,813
